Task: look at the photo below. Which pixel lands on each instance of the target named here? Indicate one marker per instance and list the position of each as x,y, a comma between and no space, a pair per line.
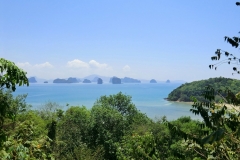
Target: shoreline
229,106
178,101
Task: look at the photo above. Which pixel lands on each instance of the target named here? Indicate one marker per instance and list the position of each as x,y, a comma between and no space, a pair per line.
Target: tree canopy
10,76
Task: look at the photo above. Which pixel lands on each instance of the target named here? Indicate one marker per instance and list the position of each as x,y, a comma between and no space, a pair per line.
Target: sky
160,39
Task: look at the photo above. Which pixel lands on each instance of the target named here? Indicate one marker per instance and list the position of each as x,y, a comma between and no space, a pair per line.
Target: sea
148,98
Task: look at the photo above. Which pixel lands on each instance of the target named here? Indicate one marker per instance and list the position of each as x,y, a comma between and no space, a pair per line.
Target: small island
45,82
86,81
129,80
153,81
115,80
69,80
58,80
168,81
32,80
99,81
72,80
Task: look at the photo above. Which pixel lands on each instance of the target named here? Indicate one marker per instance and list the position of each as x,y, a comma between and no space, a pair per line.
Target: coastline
229,106
182,102
178,101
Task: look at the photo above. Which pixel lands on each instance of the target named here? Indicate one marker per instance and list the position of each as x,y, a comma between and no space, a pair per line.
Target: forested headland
186,91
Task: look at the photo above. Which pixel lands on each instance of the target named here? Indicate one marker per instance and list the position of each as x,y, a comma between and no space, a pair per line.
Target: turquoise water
148,98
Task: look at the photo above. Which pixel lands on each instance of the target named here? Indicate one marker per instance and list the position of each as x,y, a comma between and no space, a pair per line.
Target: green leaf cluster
218,137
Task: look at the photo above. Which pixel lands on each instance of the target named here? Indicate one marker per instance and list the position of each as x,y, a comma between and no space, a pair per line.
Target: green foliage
10,107
72,130
95,132
11,75
138,147
219,134
110,130
23,144
83,152
112,117
50,111
196,89
123,104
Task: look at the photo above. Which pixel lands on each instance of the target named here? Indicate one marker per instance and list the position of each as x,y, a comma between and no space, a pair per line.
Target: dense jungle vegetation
196,89
112,129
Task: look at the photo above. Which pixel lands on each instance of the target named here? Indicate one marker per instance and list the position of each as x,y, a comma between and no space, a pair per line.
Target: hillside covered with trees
196,88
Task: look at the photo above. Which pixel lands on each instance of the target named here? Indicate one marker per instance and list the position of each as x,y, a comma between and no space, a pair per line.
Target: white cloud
126,68
92,64
44,65
97,65
22,65
72,68
28,65
76,63
42,70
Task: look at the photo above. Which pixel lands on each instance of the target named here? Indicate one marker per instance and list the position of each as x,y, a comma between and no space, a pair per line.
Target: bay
148,98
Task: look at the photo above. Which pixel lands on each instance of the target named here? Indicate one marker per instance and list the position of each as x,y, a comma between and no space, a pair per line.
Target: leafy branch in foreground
232,59
220,128
11,75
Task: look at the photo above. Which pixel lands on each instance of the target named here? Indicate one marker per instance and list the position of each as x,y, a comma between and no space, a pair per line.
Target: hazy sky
161,39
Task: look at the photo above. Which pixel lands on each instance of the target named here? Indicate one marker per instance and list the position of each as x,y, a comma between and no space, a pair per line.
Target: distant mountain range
94,77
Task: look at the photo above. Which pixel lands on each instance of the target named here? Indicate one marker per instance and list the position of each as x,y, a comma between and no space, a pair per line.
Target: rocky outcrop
58,80
130,80
86,81
116,80
153,81
72,80
32,80
69,80
99,81
45,82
